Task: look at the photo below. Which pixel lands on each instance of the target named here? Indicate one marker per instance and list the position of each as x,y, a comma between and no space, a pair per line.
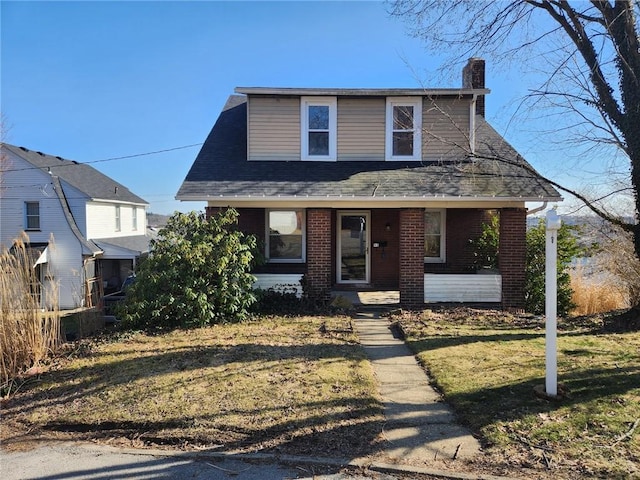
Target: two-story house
85,230
372,188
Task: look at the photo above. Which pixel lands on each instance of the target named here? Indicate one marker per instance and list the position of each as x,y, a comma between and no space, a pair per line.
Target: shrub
197,274
568,249
485,250
278,302
485,247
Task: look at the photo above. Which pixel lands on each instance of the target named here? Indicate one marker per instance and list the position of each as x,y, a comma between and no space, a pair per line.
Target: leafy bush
278,302
485,247
568,249
197,274
486,254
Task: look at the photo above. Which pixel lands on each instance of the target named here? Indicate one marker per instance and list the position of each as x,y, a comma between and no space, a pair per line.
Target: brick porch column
412,257
512,257
319,253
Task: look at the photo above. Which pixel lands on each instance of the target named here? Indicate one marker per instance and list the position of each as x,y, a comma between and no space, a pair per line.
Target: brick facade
512,257
412,257
319,258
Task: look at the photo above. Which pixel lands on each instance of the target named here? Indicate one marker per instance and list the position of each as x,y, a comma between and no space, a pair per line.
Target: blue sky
93,81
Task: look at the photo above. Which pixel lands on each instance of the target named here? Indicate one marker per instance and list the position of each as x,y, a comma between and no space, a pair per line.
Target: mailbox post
551,302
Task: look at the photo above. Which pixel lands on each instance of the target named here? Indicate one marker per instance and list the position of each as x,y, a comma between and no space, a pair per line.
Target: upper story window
118,224
134,218
404,128
32,215
285,236
318,136
434,236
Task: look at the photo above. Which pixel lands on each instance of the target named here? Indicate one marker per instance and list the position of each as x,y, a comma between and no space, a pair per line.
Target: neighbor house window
32,215
118,218
404,128
285,235
134,219
434,238
318,130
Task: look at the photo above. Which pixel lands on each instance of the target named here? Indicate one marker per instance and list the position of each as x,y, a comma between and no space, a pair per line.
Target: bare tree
589,52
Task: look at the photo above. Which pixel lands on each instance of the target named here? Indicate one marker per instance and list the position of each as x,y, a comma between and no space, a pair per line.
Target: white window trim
416,103
134,219
330,102
443,236
268,236
26,217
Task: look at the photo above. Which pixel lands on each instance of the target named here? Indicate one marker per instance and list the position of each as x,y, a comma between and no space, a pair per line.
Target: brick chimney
473,77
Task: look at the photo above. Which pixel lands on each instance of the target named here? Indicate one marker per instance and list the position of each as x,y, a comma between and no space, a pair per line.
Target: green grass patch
487,365
282,384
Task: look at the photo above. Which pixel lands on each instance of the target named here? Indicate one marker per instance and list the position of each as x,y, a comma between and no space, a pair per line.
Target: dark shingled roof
222,169
81,176
137,243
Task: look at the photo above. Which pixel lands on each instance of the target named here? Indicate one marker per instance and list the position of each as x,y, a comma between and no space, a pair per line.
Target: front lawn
298,385
487,365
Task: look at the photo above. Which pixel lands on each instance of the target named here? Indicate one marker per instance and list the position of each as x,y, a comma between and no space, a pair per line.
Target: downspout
539,209
472,124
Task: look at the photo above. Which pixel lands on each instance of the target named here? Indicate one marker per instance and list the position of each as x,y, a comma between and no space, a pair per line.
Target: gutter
361,198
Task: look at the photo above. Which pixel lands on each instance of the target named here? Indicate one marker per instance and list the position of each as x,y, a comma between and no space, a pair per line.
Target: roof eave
362,92
315,199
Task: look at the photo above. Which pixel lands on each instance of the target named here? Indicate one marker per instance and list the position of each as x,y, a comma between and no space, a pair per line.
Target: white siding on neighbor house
101,220
77,202
445,128
462,288
274,128
361,128
21,184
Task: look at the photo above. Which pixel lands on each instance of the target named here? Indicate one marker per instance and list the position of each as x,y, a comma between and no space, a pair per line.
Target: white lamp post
551,302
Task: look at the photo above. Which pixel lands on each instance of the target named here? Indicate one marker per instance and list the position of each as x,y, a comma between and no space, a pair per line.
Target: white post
551,302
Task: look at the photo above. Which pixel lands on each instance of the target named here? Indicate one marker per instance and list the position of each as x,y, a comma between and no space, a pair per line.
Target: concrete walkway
419,428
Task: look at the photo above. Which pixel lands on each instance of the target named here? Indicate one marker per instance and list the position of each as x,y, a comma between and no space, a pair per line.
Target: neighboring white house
85,229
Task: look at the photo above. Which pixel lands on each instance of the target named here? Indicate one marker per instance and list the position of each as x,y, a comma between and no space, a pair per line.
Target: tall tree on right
589,52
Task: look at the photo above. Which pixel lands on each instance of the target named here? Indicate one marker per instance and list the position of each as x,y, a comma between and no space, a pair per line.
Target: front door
353,247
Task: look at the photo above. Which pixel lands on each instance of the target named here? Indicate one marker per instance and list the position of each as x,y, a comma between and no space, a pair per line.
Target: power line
57,165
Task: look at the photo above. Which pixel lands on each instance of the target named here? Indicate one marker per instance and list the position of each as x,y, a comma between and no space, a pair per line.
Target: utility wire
57,165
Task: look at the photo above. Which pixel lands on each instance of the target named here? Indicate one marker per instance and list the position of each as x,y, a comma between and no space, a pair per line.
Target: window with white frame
285,236
118,224
134,219
319,139
434,236
32,215
404,128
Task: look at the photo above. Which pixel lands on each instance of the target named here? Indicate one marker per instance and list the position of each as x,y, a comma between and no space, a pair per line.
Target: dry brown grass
290,385
27,334
600,294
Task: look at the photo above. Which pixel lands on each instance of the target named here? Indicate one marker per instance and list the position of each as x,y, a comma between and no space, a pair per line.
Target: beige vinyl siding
445,128
361,129
274,128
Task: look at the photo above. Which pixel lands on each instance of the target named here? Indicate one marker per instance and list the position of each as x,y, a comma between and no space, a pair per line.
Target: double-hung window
134,219
404,128
118,223
285,236
434,236
32,215
319,139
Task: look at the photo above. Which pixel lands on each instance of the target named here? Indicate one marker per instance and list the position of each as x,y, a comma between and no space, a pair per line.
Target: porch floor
385,297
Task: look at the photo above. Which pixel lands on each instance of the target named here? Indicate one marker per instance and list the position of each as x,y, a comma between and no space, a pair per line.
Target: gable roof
81,176
221,170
